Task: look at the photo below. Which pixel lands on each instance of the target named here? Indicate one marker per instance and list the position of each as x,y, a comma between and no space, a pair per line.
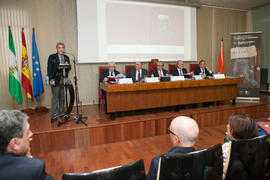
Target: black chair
266,170
249,159
131,171
203,164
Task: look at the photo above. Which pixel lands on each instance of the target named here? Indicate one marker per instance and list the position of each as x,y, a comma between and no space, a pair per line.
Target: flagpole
13,103
40,108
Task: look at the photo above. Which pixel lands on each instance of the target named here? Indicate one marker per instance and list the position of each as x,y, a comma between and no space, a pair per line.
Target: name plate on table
151,79
125,81
198,77
177,78
218,76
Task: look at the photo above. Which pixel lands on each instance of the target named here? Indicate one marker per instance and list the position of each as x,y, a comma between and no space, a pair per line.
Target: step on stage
129,125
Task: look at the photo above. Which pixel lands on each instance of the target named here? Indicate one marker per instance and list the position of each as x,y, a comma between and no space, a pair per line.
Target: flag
37,76
26,78
221,65
14,82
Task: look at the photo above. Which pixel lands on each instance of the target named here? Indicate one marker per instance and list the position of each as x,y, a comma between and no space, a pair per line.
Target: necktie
139,75
160,73
111,73
62,59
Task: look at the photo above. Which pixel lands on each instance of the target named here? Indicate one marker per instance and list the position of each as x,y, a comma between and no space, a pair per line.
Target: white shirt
160,73
180,72
137,74
203,70
111,74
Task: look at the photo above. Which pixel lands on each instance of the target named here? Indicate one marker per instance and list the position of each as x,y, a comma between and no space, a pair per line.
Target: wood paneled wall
147,127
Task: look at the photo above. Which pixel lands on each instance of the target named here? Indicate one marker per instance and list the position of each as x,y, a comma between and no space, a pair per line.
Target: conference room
133,89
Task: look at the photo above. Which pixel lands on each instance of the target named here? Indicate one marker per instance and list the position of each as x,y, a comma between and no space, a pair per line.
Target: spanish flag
26,78
221,62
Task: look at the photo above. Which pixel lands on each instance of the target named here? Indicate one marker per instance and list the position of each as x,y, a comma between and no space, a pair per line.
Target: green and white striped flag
14,82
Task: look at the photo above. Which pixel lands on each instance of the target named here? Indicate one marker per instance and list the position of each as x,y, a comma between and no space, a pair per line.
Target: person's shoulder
66,56
117,72
29,162
105,70
53,56
33,161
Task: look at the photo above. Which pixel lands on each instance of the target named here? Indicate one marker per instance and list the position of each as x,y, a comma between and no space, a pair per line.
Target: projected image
126,31
144,31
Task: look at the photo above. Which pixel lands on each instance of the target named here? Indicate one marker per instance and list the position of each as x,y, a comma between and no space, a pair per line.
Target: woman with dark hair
240,126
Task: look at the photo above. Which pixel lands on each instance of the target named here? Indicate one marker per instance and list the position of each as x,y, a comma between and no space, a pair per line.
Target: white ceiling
231,4
234,4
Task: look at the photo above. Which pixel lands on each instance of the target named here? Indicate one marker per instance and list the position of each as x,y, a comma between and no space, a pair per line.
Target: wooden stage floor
129,125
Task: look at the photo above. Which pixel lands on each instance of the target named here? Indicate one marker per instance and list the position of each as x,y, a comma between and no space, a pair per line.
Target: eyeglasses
170,132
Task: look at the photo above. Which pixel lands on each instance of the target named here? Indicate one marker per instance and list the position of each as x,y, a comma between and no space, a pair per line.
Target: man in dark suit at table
179,70
159,71
138,73
108,72
183,132
15,159
203,70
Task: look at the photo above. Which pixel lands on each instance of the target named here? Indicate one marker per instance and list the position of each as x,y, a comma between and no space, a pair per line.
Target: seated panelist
203,70
180,70
108,72
159,71
138,73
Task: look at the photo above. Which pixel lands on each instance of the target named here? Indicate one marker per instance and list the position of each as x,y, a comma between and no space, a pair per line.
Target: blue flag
37,76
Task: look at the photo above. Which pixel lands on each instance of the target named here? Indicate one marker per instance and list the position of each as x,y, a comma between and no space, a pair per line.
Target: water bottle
152,75
124,76
47,80
167,74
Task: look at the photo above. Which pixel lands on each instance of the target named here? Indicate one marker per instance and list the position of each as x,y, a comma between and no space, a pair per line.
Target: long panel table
127,97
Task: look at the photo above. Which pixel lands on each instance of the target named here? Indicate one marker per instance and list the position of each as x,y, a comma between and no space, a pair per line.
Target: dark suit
132,74
58,95
152,173
52,71
105,73
156,74
176,73
198,71
13,167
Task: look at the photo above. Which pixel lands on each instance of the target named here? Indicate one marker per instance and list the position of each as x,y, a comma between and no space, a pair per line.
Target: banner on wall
246,63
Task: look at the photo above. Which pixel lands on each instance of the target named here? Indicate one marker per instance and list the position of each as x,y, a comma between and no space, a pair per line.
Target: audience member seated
203,70
159,71
15,137
108,72
240,126
138,73
180,70
184,132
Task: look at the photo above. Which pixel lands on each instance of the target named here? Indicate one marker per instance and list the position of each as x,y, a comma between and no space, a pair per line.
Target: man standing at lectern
138,73
56,80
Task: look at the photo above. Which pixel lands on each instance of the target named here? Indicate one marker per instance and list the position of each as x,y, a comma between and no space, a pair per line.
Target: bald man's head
186,129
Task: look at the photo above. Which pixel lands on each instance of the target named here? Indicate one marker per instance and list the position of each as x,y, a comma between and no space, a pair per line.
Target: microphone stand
77,116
